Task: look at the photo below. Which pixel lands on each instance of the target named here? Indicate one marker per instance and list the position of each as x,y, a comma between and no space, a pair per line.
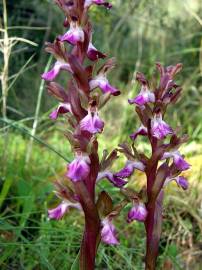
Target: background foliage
138,33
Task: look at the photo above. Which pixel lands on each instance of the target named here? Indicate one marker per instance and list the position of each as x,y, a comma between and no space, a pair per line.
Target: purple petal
182,182
53,73
79,168
127,171
180,163
62,109
129,168
93,54
59,211
73,36
108,233
141,131
160,129
115,180
92,123
107,88
144,97
138,212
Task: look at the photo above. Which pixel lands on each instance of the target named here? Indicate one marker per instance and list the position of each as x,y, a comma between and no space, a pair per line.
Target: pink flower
180,180
108,232
93,54
53,73
92,123
61,109
115,180
142,130
138,212
74,35
61,209
79,168
102,82
159,128
144,97
178,160
129,168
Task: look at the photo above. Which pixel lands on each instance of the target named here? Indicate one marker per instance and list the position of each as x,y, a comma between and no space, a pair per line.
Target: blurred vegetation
138,33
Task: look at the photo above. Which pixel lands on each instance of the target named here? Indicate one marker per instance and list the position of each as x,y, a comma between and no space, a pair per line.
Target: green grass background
138,33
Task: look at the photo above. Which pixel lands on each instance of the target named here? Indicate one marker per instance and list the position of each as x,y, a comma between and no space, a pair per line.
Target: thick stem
89,245
91,235
153,226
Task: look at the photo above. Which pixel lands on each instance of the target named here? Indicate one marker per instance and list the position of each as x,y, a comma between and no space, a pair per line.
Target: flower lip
61,109
129,168
115,180
143,97
53,73
58,212
79,168
93,54
142,130
178,160
74,35
159,128
92,123
138,212
108,232
102,82
180,180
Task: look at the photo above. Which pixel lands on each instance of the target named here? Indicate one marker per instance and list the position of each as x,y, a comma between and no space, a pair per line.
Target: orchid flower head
108,232
159,128
53,73
113,178
180,180
74,35
92,122
145,96
142,130
129,168
93,54
61,109
137,212
180,163
58,212
79,168
102,82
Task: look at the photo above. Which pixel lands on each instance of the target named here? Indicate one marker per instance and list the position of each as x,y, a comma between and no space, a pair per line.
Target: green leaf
104,204
75,265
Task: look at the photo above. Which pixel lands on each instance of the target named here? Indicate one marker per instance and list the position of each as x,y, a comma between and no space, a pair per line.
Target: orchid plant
87,91
165,163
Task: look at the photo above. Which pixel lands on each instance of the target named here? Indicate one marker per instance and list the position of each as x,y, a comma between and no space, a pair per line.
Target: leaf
104,204
75,265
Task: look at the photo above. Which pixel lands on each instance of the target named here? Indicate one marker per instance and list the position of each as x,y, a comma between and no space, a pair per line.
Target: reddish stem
153,226
154,207
91,235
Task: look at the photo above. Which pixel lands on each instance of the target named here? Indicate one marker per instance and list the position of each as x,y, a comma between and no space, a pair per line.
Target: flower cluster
165,164
88,90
